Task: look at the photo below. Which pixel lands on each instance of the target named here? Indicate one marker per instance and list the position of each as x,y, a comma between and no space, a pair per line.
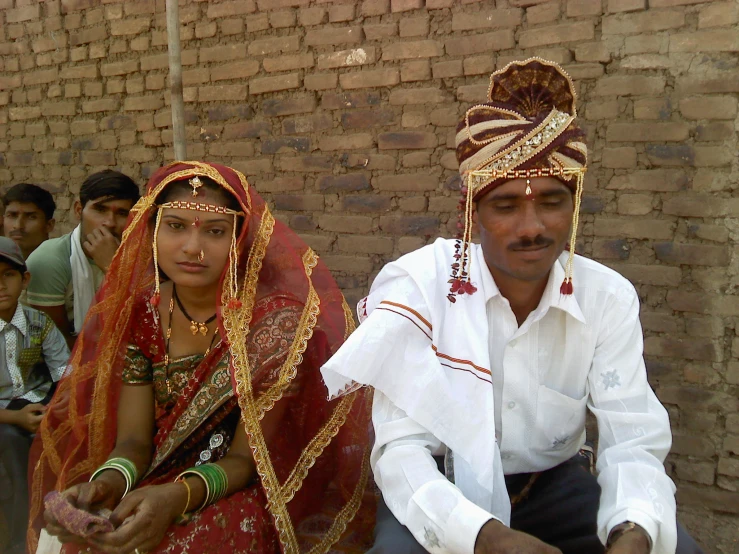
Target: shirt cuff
464,525
642,519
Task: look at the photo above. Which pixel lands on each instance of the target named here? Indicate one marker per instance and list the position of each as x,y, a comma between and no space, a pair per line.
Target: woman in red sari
194,409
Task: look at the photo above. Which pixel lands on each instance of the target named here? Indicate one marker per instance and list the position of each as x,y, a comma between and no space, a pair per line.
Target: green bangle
215,479
125,467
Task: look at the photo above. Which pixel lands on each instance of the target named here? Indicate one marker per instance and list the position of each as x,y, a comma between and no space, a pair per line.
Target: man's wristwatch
623,528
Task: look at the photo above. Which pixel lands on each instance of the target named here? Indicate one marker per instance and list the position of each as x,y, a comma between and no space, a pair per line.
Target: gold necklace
195,326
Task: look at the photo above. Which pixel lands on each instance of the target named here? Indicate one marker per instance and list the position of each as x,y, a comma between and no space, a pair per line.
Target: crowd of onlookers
46,287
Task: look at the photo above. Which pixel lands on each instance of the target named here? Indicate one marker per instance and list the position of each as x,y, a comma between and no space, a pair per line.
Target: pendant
194,328
203,329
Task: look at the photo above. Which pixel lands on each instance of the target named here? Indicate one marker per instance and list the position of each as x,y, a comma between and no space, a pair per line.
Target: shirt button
511,405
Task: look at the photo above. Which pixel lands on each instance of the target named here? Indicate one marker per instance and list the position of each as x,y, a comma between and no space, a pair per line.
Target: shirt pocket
560,425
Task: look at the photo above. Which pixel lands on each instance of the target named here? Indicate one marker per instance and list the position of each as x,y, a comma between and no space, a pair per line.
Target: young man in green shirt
66,272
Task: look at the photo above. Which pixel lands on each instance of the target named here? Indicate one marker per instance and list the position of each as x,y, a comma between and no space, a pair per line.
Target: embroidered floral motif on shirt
611,379
560,442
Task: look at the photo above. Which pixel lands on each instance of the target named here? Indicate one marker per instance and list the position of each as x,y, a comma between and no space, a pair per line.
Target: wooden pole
175,79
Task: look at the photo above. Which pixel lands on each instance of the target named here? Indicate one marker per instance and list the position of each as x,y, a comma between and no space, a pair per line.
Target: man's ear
474,213
78,210
26,279
50,225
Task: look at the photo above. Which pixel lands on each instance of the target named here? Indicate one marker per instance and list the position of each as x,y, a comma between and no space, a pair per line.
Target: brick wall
342,115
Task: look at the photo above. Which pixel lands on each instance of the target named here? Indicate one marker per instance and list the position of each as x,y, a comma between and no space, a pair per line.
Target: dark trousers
560,509
15,444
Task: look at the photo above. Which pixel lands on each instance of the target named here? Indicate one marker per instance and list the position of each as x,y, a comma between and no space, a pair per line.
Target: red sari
282,317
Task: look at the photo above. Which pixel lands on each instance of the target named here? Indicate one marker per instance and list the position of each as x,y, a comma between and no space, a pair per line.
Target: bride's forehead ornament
196,183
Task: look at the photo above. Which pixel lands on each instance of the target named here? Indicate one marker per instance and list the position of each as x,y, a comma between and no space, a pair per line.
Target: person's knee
685,543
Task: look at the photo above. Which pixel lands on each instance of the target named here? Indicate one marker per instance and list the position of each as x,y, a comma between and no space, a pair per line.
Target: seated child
33,355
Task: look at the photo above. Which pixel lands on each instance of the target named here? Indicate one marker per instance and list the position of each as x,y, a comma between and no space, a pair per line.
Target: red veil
314,471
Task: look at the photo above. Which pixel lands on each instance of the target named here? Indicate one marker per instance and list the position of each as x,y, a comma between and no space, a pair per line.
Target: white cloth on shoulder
83,282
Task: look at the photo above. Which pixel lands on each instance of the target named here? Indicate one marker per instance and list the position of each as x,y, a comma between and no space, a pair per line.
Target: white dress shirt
570,352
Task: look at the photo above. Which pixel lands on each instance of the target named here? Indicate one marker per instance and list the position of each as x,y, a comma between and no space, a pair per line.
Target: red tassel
468,288
154,300
234,304
566,287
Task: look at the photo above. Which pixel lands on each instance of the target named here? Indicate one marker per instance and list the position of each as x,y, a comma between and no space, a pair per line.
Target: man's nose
530,225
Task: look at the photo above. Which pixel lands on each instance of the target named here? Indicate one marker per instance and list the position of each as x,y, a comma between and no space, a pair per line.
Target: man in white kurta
491,354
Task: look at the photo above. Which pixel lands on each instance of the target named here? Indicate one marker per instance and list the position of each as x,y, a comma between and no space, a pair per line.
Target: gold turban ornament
527,129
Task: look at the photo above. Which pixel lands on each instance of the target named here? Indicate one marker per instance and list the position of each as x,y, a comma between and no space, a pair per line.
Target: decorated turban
527,129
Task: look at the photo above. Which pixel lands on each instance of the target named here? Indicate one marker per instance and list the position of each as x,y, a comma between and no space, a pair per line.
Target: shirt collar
18,321
551,298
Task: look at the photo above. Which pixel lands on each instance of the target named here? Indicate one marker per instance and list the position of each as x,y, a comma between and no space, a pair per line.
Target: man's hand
631,542
101,246
496,538
29,417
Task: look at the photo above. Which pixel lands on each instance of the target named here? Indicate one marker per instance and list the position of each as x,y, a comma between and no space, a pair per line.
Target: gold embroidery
348,319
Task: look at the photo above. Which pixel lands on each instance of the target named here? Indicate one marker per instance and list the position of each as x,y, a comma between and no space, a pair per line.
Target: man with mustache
67,271
29,216
488,356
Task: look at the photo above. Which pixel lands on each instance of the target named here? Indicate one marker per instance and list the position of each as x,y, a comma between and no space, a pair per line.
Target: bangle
215,479
125,467
187,504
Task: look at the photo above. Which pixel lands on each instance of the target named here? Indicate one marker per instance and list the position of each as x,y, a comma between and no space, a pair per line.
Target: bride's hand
143,518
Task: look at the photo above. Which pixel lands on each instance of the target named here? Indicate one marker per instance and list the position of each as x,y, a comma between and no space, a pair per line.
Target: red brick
578,8
366,203
348,58
142,103
334,35
715,40
400,97
615,6
375,7
309,17
127,27
234,70
476,44
20,113
414,27
298,202
646,22
623,157
412,50
709,107
365,245
307,124
306,163
335,101
49,109
406,140
288,63
345,223
282,184
217,93
247,129
252,167
369,79
266,5
283,145
488,19
321,81
222,53
405,5
419,70
658,180
350,182
691,254
40,77
10,82
346,142
276,107
230,9
671,3
367,119
406,182
414,225
102,105
658,275
556,34
380,31
280,20
708,84
545,13
119,68
23,13
273,45
633,228
647,132
273,84
97,158
718,14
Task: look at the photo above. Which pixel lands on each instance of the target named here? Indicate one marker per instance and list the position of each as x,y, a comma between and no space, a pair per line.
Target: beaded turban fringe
527,129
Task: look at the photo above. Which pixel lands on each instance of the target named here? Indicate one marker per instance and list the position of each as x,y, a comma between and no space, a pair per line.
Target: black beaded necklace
195,326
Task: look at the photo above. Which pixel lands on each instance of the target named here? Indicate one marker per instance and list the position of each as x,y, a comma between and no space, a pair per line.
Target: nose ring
201,256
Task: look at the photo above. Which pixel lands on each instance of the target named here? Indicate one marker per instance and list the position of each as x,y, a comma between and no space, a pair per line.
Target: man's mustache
529,243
